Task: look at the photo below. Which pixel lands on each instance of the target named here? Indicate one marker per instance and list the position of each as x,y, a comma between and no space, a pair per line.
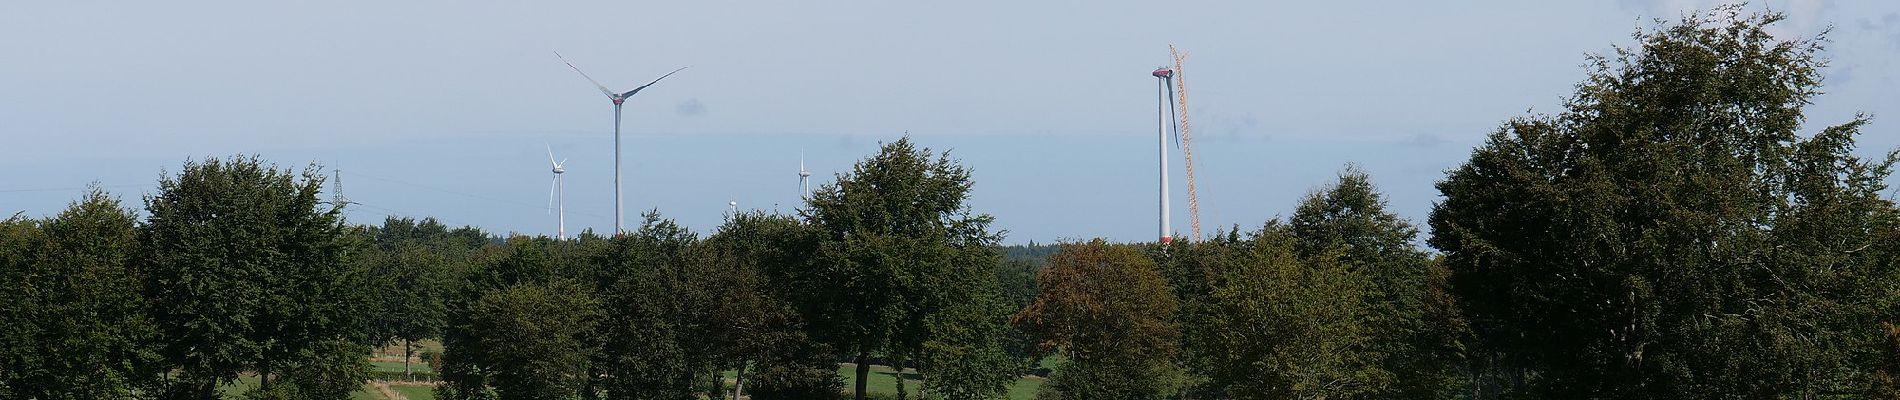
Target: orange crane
1187,140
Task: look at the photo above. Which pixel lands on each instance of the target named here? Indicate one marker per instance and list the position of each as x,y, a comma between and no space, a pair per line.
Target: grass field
235,390
415,392
883,380
391,366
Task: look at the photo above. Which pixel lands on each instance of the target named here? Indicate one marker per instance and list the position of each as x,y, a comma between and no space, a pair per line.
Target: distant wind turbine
617,98
557,196
804,177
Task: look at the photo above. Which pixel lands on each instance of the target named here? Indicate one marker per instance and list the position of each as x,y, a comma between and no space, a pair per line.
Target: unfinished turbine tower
1173,88
557,196
618,98
1162,75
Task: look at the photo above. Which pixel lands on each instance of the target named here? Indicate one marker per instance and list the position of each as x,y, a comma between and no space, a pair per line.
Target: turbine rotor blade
603,88
551,155
553,185
630,93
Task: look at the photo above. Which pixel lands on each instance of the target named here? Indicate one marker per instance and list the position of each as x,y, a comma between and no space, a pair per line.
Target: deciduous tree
1107,309
1671,234
249,271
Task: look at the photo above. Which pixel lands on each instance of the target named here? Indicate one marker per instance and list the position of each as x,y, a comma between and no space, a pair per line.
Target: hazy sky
442,108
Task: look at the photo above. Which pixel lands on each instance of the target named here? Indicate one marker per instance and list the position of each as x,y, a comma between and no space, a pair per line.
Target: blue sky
442,108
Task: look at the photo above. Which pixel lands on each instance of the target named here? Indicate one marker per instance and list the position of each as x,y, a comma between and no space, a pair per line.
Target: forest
1672,232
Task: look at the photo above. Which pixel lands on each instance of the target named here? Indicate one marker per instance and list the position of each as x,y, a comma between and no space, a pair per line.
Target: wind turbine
804,176
617,98
557,194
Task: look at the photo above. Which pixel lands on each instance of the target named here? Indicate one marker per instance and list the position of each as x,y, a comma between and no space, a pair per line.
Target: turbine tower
804,177
617,98
1162,76
557,195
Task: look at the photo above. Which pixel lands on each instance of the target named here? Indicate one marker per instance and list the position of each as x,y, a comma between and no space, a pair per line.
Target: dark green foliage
18,357
898,245
795,368
248,271
412,266
533,338
1670,235
75,325
759,334
1338,303
1410,346
654,331
1016,278
470,365
1108,309
965,357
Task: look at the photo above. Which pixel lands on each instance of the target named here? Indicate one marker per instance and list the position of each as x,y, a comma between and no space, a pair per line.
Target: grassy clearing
391,366
415,392
883,380
244,383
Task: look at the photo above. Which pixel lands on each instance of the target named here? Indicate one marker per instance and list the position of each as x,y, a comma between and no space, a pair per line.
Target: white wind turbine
617,98
557,196
804,177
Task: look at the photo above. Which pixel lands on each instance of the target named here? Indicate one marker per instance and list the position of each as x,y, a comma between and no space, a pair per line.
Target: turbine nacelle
560,166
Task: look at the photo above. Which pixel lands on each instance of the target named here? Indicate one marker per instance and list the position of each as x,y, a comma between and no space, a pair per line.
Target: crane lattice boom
1187,147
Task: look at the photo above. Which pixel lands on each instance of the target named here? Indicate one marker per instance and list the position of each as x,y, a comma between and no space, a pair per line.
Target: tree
1671,235
1109,311
963,352
18,357
411,282
473,367
1409,345
253,273
896,245
532,336
77,327
654,337
758,333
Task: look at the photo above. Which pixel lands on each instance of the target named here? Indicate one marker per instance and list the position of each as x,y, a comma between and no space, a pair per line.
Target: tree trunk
208,390
897,364
864,372
920,375
718,386
738,382
408,350
263,374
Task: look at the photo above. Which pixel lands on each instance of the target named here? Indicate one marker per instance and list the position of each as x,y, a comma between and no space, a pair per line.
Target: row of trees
1668,235
236,267
1335,303
886,265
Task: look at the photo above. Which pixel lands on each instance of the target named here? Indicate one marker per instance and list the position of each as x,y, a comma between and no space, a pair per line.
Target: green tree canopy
1107,309
1670,234
249,271
898,245
70,297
